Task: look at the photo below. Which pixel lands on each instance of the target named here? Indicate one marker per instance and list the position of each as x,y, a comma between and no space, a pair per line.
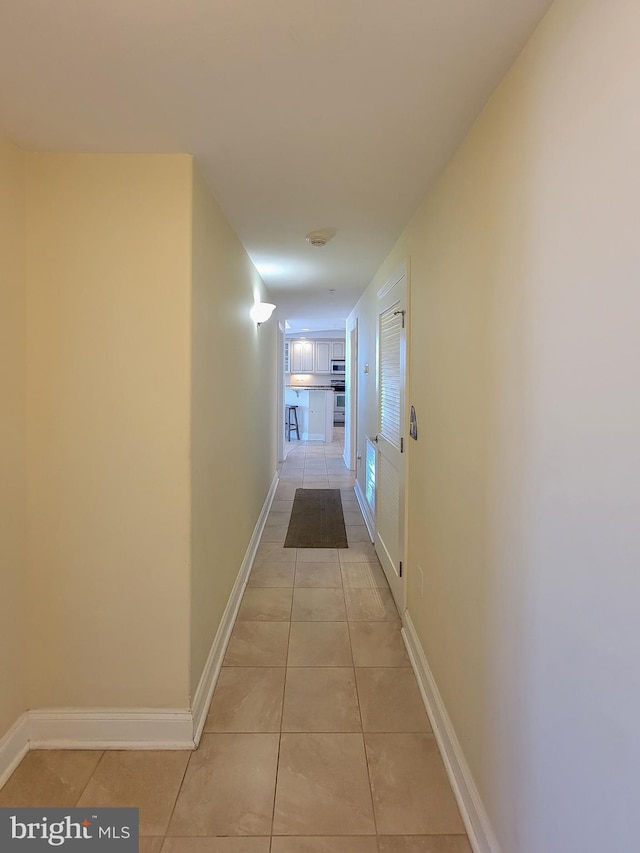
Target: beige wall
524,485
109,301
145,397
12,435
233,416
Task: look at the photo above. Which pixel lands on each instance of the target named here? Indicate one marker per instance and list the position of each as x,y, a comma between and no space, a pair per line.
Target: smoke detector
317,238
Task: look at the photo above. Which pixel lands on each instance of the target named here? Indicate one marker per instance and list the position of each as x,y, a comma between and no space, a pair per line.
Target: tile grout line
90,777
175,802
284,690
284,687
275,782
364,745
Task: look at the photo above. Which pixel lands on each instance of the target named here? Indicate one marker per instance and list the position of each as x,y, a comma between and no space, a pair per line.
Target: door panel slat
390,378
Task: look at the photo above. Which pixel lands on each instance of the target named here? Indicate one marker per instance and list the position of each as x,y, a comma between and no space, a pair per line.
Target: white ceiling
316,323
303,114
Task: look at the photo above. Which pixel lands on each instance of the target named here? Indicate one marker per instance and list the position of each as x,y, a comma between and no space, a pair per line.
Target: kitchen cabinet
301,354
317,415
315,412
337,349
323,357
311,356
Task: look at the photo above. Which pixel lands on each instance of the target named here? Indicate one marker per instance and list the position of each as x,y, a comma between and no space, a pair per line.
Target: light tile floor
316,740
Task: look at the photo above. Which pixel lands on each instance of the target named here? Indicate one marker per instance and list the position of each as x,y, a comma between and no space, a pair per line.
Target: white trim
282,343
366,511
474,815
106,728
350,454
14,745
209,677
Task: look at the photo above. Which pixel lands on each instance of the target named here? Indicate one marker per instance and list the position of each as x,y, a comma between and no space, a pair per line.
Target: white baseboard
104,728
209,677
14,745
366,511
476,820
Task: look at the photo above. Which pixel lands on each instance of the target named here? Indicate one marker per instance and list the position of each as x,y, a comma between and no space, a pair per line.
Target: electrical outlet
420,581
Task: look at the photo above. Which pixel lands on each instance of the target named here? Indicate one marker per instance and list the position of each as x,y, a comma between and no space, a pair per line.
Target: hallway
316,740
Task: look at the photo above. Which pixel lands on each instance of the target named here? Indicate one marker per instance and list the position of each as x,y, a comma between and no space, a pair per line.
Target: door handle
376,439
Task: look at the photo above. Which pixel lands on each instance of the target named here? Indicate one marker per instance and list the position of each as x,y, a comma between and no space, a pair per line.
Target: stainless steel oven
339,400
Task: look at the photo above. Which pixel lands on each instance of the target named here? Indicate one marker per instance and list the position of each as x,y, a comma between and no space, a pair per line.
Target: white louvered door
390,474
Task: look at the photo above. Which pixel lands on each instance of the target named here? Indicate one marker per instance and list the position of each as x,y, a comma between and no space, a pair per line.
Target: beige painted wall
525,482
108,400
12,435
233,457
134,376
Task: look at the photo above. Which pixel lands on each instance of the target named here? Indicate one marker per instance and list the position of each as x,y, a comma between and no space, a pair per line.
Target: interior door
390,439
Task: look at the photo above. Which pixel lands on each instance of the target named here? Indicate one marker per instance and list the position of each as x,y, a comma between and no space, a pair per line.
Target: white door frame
351,414
280,393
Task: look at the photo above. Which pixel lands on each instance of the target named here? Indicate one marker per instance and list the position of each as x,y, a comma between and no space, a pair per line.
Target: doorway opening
313,380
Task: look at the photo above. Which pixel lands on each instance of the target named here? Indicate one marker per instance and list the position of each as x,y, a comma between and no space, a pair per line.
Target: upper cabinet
323,357
337,349
311,356
301,356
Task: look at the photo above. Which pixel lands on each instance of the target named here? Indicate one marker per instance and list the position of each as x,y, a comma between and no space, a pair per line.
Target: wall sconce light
261,311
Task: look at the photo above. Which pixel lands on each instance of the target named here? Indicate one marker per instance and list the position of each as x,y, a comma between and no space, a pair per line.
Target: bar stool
291,421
